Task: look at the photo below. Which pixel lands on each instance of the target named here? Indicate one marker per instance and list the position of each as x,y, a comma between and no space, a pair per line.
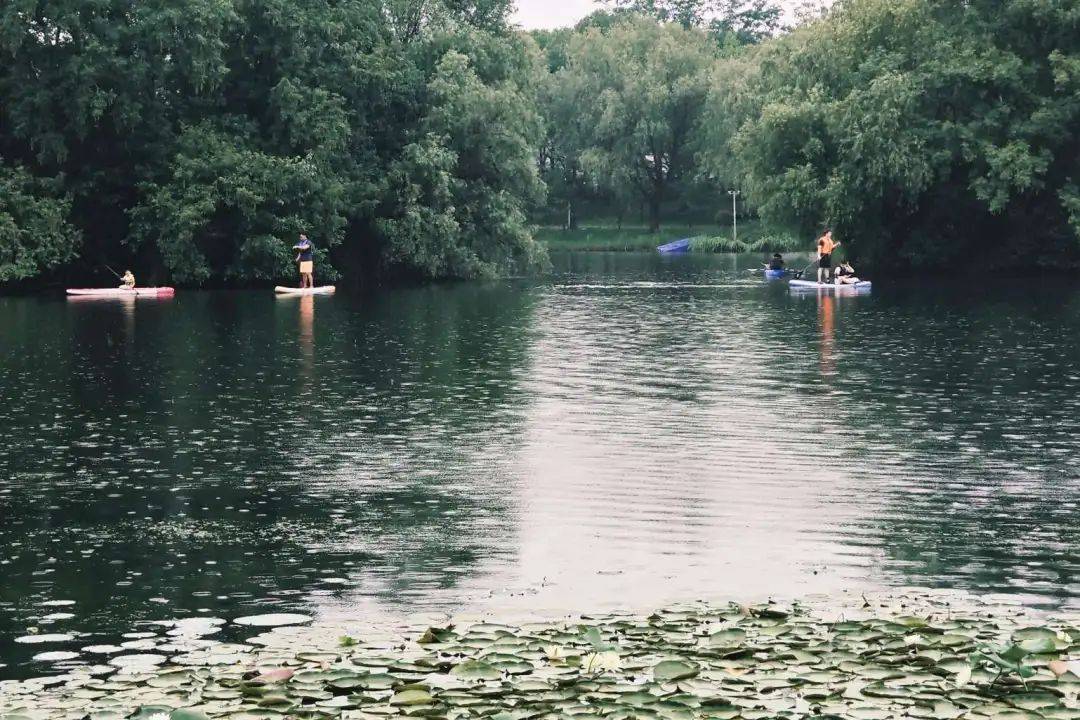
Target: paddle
118,275
799,273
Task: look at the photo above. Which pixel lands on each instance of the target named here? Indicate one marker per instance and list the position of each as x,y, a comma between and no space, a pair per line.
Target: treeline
194,139
197,138
929,134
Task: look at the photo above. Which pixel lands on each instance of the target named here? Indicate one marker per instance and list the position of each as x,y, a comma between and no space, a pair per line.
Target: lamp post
734,216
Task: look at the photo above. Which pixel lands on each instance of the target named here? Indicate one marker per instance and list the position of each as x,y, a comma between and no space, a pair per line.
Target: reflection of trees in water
975,420
207,441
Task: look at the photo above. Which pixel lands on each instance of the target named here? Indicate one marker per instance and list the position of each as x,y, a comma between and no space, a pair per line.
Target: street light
734,216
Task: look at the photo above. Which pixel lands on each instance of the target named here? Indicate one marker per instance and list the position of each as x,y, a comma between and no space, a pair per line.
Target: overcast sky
533,14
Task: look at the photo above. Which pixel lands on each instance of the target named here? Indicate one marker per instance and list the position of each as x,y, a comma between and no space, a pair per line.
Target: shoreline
898,653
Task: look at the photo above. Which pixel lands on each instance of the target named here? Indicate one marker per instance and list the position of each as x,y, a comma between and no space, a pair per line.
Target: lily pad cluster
895,656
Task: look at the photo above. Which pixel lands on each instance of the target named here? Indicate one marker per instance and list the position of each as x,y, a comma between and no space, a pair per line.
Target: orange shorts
308,267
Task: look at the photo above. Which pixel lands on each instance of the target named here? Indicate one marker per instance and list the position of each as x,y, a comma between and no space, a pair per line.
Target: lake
627,431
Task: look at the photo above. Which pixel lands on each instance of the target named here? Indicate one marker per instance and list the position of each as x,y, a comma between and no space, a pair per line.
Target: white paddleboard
324,290
122,292
861,286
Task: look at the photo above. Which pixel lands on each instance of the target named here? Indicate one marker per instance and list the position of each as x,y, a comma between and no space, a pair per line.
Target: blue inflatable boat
679,246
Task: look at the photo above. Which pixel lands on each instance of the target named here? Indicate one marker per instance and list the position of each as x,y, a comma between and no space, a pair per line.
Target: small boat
114,292
774,274
861,286
679,246
324,290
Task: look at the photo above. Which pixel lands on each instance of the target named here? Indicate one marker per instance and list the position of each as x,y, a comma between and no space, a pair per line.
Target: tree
747,21
204,134
458,196
34,232
931,134
638,89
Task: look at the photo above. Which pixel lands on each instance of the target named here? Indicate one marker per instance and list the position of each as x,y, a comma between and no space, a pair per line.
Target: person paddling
306,257
825,247
777,262
129,281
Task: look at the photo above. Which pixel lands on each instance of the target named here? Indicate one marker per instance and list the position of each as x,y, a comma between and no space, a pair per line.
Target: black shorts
825,262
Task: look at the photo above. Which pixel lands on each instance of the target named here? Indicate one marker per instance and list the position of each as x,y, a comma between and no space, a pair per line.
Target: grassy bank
867,657
754,236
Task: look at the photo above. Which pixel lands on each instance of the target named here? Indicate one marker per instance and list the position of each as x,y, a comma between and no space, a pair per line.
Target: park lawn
753,236
604,237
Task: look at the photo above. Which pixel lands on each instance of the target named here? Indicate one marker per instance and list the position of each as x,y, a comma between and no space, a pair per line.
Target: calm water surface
628,431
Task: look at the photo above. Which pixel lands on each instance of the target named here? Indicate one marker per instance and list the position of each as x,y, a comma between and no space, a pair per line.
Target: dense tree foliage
196,138
745,21
623,101
933,134
200,136
34,232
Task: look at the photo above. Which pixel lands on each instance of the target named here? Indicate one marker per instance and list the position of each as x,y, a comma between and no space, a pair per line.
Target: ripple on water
630,431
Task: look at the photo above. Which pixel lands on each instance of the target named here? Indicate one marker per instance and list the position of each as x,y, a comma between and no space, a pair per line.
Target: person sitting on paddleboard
306,257
825,247
128,280
777,262
845,274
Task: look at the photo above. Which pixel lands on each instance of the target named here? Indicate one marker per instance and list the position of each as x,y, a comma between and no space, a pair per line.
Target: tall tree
745,21
201,135
34,232
928,133
639,90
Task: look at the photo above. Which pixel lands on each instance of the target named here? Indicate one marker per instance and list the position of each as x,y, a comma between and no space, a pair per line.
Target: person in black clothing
777,262
845,274
306,257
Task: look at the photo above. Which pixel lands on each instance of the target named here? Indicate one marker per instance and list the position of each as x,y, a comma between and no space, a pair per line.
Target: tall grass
770,242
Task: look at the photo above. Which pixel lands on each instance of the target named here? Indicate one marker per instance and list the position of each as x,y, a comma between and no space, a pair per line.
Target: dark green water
628,431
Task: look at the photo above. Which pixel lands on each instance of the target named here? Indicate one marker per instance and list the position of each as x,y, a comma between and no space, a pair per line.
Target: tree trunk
654,212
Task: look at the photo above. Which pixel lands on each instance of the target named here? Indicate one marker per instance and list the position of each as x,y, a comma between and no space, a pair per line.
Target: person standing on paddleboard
306,257
825,247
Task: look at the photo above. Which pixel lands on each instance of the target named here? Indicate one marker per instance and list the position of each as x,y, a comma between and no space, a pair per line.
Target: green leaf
475,670
411,697
672,670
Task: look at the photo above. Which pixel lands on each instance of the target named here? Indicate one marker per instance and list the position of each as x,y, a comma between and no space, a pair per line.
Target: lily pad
673,670
411,697
475,670
272,620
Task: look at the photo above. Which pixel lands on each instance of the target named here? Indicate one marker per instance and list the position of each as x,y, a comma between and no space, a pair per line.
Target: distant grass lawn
753,236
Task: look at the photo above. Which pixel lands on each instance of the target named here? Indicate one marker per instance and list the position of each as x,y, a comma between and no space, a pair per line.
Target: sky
532,14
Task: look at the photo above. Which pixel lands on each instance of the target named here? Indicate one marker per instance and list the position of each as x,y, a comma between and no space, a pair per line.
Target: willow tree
638,89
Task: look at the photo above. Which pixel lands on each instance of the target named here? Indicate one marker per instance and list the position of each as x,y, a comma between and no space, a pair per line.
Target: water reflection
827,322
632,430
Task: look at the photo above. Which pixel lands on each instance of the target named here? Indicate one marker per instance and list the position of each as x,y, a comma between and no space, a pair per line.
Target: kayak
679,246
861,286
775,274
324,290
122,292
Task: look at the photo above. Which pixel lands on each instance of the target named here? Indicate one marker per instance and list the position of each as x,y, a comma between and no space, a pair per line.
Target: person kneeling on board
128,280
777,262
306,257
845,274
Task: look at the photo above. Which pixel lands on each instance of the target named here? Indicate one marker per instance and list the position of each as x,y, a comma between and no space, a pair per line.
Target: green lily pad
187,714
672,670
475,670
411,697
727,639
